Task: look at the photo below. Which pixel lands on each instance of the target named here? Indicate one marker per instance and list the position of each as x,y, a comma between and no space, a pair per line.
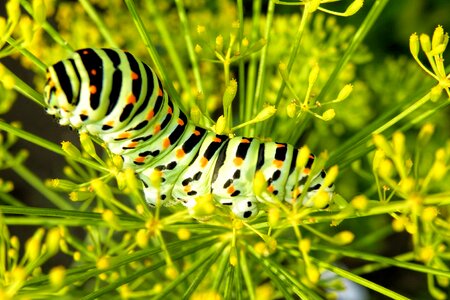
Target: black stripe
92,61
280,152
176,134
77,74
193,140
242,148
220,159
64,81
150,86
126,112
116,80
134,67
310,161
293,161
168,116
260,161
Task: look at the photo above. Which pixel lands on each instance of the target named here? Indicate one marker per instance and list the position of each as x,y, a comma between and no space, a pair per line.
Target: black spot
106,127
323,174
276,175
163,197
227,183
247,214
314,187
227,203
197,175
275,192
235,193
186,181
249,203
83,117
171,165
192,193
237,174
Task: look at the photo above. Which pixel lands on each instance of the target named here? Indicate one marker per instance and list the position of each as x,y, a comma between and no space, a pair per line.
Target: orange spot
187,188
311,156
85,52
131,99
216,140
139,159
110,123
278,163
245,141
180,153
93,89
270,188
166,142
238,161
94,72
157,128
169,110
132,145
150,115
280,146
160,92
203,162
123,135
134,76
180,122
306,170
196,132
231,189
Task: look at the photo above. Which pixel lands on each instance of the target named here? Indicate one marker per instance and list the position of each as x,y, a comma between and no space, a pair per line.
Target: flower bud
57,276
329,114
353,8
70,149
230,93
414,45
344,92
425,43
265,113
438,37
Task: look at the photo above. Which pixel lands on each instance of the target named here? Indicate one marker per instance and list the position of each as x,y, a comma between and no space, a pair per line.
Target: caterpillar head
60,92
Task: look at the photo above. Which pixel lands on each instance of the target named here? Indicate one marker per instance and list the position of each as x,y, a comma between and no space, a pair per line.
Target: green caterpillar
112,95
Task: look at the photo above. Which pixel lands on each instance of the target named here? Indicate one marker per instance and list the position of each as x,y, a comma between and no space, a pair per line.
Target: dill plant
236,70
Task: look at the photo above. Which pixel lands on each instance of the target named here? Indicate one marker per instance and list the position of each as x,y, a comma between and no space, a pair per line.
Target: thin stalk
151,49
358,37
241,66
260,81
292,58
24,89
169,46
249,102
90,10
36,183
189,45
52,32
359,280
25,135
39,64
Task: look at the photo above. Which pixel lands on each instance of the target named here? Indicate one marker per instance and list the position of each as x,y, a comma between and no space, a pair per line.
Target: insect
112,95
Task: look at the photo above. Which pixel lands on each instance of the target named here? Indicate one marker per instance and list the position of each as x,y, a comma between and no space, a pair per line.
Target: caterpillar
110,94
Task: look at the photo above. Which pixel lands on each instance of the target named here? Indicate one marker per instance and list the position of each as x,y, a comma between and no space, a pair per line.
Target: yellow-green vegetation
288,71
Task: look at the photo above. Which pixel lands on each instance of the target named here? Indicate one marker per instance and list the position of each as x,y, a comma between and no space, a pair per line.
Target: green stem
41,66
260,81
48,145
151,49
189,45
27,91
169,46
252,67
36,183
55,35
90,10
